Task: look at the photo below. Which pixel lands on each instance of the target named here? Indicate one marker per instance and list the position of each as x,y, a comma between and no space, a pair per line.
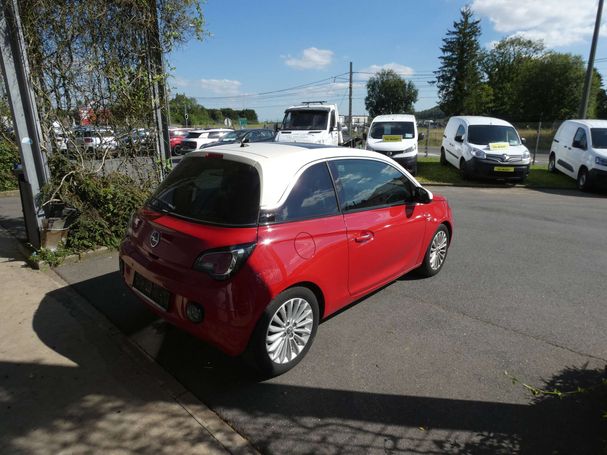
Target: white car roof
279,164
395,118
478,120
594,123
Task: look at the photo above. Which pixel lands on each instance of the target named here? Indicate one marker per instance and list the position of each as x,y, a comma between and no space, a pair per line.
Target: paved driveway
419,366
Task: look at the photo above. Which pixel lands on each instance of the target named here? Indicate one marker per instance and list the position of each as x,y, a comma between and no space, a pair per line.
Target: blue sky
300,50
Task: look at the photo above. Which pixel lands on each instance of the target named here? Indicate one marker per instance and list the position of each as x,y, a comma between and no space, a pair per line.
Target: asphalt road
419,366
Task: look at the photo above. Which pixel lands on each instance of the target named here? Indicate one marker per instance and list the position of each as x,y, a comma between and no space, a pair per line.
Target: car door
576,152
384,226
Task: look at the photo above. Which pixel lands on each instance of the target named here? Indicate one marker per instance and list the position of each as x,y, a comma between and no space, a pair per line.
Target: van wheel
552,163
583,180
436,253
463,169
443,158
285,331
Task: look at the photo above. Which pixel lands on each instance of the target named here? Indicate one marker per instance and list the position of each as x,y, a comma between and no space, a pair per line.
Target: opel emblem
154,238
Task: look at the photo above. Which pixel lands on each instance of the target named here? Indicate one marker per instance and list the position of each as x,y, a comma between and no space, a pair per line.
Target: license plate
152,291
391,138
503,169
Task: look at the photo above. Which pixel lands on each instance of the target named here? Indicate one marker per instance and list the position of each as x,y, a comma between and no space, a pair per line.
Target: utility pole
28,134
163,148
350,109
590,68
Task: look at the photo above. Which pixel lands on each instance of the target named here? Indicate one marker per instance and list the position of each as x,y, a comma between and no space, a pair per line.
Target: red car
248,247
176,135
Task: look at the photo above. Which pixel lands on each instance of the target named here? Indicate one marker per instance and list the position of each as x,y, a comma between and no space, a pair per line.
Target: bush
104,203
9,155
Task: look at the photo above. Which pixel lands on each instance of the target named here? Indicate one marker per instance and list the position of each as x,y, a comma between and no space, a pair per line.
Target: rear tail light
223,263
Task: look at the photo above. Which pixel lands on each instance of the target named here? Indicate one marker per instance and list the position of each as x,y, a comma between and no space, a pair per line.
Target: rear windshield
381,129
306,120
210,190
489,134
599,138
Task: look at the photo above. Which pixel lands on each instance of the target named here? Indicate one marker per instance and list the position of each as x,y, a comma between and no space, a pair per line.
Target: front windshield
489,134
599,138
381,129
306,120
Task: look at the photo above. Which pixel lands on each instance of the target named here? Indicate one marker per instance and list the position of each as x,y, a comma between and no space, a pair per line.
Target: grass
431,172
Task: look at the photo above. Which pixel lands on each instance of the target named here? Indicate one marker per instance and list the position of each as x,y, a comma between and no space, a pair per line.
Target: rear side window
313,196
210,190
367,184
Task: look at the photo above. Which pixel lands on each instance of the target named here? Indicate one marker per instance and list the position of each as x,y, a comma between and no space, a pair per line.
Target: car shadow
279,416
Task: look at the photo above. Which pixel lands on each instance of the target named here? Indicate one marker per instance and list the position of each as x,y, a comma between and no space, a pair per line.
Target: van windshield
210,190
381,129
305,120
599,138
488,134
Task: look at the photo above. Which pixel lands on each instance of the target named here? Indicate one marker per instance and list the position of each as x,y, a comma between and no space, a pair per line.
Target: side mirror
422,195
523,140
421,136
459,138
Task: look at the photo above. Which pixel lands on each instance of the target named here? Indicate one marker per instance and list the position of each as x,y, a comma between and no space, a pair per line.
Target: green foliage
504,66
199,115
459,78
551,86
9,155
430,114
388,93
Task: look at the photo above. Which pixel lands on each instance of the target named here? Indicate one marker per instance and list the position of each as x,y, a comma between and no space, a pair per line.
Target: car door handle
364,237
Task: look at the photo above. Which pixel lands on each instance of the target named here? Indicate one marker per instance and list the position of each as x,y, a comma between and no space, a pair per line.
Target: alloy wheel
289,330
438,250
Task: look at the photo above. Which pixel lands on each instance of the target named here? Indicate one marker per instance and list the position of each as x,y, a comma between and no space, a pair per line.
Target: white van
313,122
396,136
485,147
579,150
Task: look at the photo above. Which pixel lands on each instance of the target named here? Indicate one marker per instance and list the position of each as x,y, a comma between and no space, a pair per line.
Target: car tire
463,169
443,158
285,331
436,254
583,180
552,163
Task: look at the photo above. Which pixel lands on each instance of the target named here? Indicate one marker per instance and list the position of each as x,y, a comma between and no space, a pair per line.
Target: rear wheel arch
320,297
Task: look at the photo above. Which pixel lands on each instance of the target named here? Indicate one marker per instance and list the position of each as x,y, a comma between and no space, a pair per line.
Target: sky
273,54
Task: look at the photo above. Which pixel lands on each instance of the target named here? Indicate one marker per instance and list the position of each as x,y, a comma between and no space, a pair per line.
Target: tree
459,79
388,93
503,66
601,99
551,87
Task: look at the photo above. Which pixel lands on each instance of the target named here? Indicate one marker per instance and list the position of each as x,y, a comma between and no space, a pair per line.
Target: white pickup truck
312,122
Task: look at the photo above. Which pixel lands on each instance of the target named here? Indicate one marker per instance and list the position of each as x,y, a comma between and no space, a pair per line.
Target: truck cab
312,122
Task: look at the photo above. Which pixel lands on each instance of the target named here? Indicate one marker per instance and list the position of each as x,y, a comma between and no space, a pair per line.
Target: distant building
356,119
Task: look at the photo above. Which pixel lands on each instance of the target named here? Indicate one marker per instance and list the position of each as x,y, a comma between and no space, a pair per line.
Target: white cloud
399,69
311,58
223,87
557,22
179,82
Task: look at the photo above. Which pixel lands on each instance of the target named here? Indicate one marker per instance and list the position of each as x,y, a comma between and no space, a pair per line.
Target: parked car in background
395,136
485,147
139,141
197,138
176,135
245,136
248,248
314,122
95,141
579,150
